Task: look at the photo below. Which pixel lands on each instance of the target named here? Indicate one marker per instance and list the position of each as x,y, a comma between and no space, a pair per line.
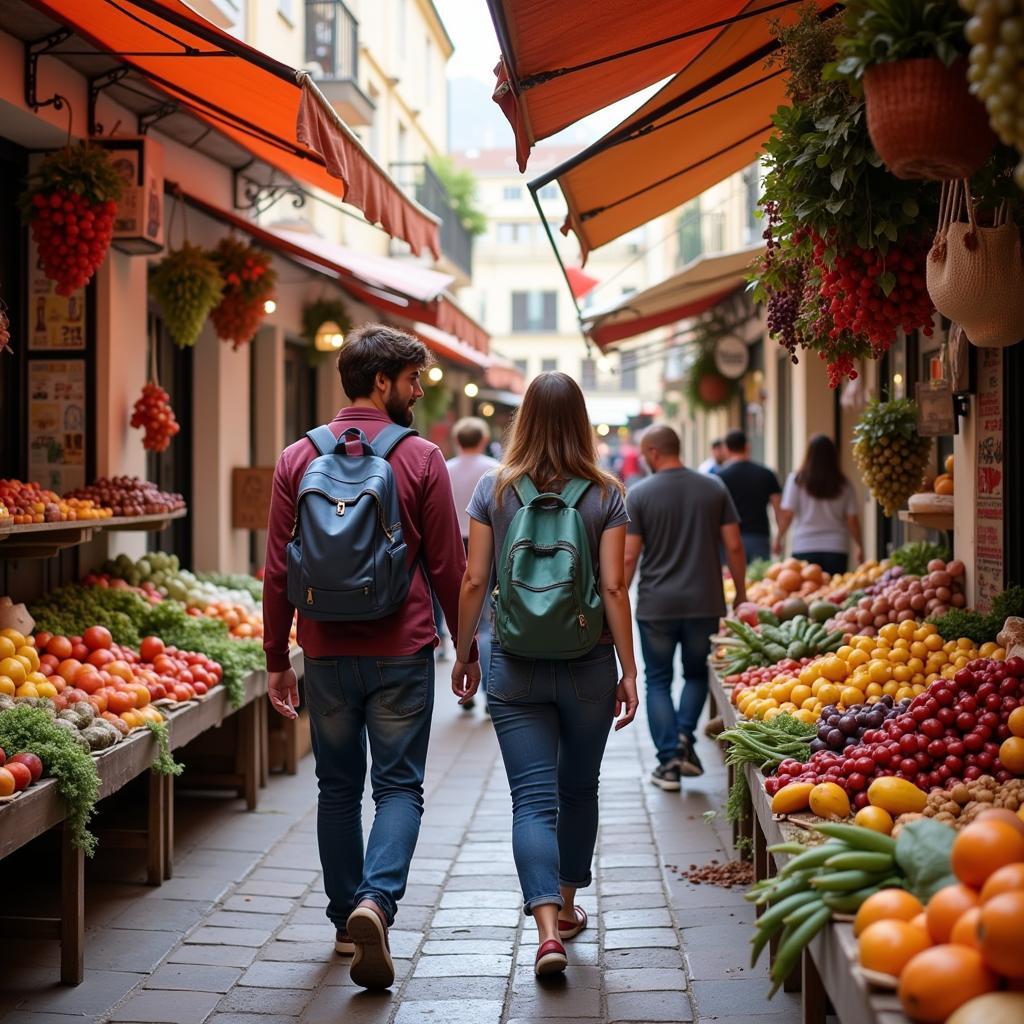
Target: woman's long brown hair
551,439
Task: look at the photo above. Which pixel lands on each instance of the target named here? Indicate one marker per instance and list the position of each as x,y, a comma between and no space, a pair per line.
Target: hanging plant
705,387
844,265
70,201
314,316
248,283
187,285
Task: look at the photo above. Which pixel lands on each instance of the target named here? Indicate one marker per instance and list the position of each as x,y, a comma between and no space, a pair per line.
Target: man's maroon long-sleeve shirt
430,527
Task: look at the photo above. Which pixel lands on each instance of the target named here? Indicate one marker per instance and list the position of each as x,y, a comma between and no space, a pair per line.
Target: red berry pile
950,733
153,412
72,235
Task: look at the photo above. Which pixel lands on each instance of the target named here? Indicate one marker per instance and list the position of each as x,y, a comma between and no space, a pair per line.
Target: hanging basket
976,273
923,121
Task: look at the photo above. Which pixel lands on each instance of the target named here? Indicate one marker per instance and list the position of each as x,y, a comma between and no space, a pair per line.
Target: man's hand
465,679
283,690
626,701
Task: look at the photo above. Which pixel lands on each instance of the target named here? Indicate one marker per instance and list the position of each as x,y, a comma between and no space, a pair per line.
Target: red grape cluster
154,413
852,291
236,318
72,234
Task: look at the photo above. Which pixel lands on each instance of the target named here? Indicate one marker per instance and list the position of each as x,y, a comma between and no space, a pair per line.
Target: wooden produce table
43,540
830,978
41,808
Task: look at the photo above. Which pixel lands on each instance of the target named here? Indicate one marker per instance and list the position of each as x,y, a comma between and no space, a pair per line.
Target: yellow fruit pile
902,661
19,667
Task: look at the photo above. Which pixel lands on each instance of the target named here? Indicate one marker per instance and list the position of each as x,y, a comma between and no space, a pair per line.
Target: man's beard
399,410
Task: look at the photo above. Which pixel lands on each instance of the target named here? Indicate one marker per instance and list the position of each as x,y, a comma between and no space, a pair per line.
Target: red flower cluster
72,234
153,412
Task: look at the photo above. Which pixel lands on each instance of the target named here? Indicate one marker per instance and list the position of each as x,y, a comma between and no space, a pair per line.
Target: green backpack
548,605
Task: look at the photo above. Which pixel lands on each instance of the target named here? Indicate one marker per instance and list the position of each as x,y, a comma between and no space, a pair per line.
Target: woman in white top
820,504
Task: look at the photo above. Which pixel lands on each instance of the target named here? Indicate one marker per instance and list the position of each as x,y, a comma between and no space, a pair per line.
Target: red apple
21,773
31,761
3,758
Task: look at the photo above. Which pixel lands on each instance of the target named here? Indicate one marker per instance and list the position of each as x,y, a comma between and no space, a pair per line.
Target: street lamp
471,390
435,374
602,429
269,306
486,410
329,337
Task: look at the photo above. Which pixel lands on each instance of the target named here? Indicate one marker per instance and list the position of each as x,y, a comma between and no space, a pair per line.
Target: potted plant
909,58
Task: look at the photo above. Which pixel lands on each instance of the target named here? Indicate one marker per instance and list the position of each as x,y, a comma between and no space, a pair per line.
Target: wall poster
56,423
988,529
55,323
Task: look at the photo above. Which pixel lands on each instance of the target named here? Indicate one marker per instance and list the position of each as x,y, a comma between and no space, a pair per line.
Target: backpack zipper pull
309,595
583,621
341,508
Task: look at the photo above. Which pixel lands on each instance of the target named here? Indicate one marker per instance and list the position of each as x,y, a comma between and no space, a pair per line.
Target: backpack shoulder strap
389,439
524,487
574,490
323,439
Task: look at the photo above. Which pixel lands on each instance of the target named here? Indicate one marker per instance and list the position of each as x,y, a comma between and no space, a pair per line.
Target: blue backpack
347,559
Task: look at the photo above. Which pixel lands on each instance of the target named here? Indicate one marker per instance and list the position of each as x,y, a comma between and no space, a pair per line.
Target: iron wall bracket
253,197
34,49
96,85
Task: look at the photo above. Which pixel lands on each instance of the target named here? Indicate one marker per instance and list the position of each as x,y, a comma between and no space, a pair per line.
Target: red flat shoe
570,929
551,959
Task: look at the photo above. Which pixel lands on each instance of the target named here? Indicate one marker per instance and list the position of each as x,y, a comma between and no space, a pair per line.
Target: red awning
253,99
562,61
447,346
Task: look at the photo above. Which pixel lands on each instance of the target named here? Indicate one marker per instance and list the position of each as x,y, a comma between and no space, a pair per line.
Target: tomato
41,640
59,647
97,637
200,688
157,691
151,648
88,681
120,701
122,670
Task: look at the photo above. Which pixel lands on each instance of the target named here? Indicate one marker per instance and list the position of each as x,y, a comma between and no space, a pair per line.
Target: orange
1011,753
983,847
938,980
1008,878
886,905
1015,721
921,923
887,946
999,931
1002,814
945,908
965,931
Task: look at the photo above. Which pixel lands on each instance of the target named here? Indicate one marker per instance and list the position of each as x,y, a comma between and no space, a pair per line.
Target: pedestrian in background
753,488
677,520
821,506
553,715
716,459
472,437
370,680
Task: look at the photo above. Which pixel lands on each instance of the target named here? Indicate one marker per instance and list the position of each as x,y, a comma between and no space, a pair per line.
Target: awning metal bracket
148,118
257,198
96,85
34,49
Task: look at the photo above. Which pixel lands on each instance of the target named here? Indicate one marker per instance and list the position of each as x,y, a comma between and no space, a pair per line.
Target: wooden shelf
44,540
929,520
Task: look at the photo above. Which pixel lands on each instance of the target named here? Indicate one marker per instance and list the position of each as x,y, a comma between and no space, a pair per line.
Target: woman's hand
777,545
465,679
626,701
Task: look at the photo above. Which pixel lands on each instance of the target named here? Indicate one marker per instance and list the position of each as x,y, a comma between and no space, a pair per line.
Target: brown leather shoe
372,966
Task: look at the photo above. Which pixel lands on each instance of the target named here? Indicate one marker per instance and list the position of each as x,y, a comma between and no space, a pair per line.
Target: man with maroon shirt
369,680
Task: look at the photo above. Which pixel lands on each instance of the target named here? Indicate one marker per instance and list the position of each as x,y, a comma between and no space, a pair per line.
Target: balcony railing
422,184
332,39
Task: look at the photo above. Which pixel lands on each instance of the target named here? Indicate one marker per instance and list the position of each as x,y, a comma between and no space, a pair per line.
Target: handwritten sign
251,488
989,527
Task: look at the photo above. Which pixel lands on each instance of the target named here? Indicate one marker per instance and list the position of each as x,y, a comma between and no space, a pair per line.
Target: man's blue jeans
658,642
552,719
756,545
388,701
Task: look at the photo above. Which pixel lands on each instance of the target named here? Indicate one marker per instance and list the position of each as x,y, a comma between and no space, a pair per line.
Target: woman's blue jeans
552,719
658,642
388,701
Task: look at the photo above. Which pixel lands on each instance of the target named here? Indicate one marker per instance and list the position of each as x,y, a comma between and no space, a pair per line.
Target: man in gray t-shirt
678,519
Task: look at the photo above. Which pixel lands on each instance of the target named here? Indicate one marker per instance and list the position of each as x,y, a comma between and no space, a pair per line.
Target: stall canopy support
250,195
33,51
96,85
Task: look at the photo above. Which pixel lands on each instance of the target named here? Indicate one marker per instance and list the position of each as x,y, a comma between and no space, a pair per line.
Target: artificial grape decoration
154,414
188,285
70,203
248,283
889,452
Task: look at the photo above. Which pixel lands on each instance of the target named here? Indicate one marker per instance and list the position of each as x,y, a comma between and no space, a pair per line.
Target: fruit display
795,638
153,413
901,597
30,503
889,452
978,626
761,674
187,285
70,202
995,33
769,590
951,732
248,284
18,772
129,496
838,730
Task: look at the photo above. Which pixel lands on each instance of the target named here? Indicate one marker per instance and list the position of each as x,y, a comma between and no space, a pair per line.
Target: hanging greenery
314,315
187,285
706,388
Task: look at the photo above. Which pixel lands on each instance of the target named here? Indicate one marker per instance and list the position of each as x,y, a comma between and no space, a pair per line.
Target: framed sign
251,488
57,423
936,416
55,323
731,357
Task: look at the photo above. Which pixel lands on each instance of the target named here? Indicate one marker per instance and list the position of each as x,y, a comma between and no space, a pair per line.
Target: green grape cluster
889,452
188,285
996,66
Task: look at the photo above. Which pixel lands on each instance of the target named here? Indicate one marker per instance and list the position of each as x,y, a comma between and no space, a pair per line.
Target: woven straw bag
923,120
975,274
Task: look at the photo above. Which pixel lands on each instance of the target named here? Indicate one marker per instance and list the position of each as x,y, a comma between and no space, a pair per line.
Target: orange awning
710,121
251,98
562,61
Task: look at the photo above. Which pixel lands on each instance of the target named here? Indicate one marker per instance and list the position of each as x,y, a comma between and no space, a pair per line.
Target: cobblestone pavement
239,936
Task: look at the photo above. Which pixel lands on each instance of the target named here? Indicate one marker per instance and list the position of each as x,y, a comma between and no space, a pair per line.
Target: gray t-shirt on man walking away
679,514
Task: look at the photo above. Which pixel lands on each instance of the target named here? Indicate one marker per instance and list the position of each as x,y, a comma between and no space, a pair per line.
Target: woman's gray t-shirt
599,513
